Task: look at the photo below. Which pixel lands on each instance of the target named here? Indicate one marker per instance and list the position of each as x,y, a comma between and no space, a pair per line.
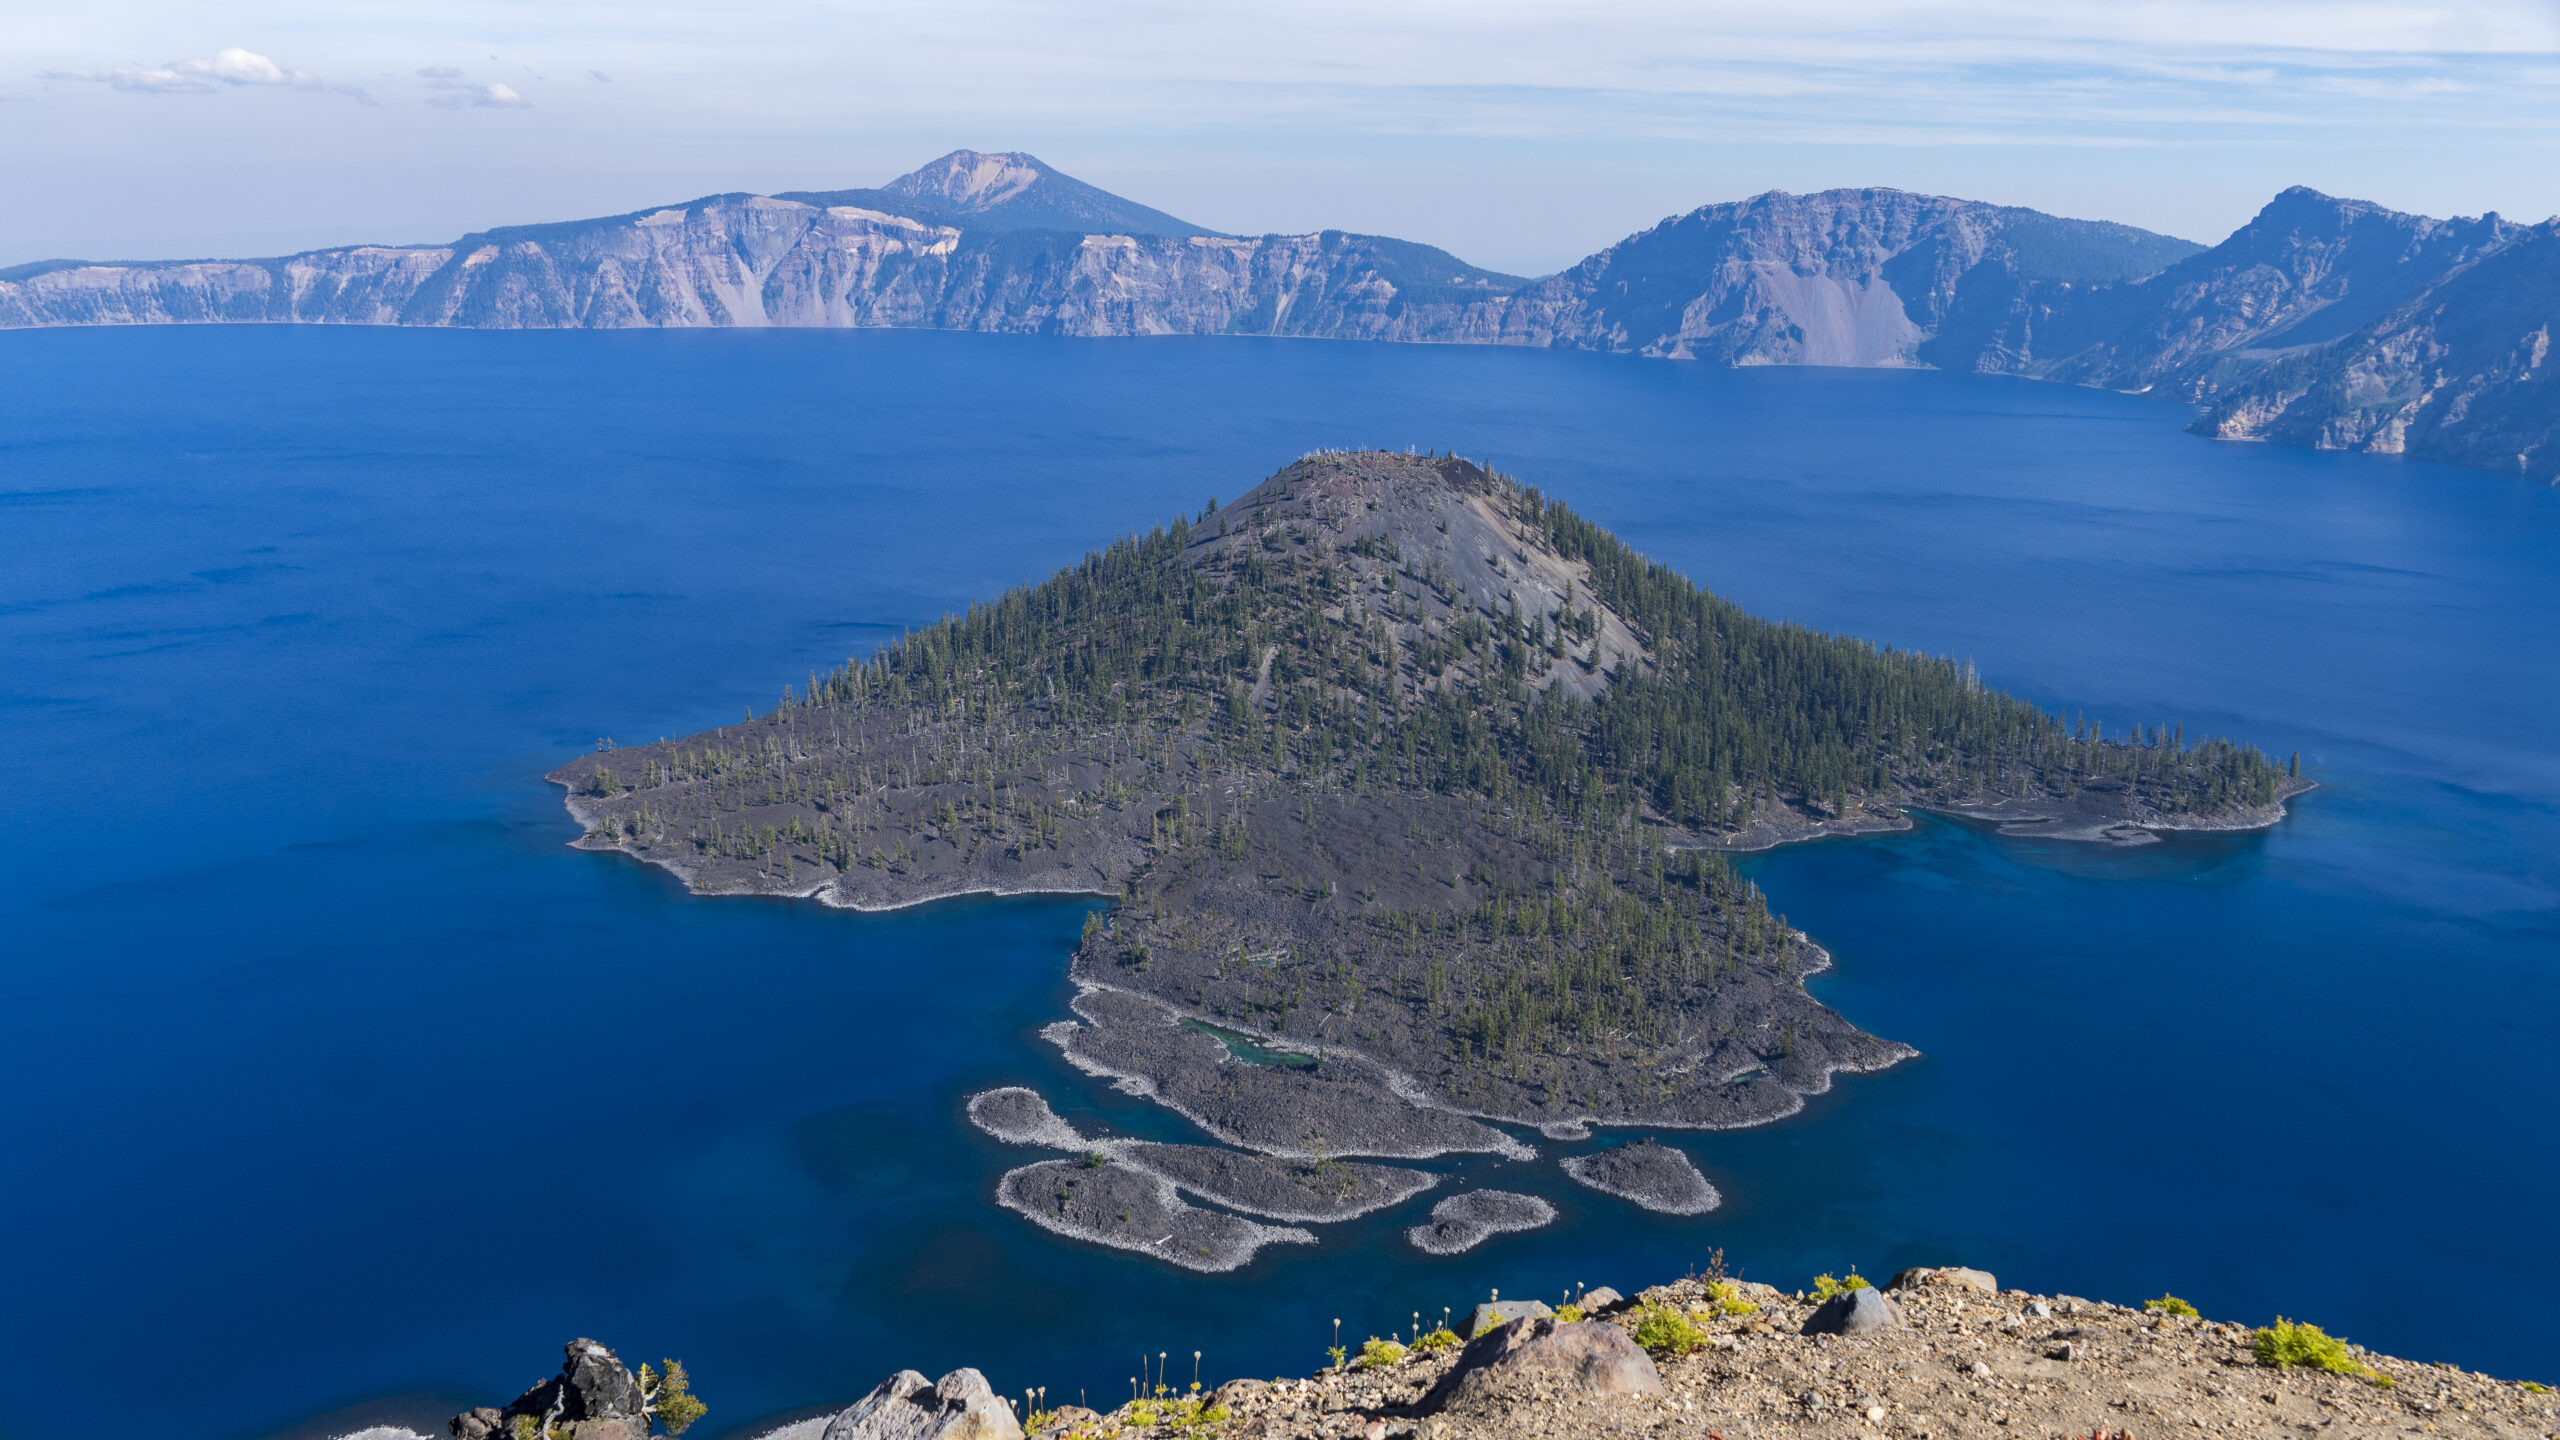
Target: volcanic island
1413,791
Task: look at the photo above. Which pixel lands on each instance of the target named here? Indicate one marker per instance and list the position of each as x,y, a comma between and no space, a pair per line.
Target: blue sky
1519,135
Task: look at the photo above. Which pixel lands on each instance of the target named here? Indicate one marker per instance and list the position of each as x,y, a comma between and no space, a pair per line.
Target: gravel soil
1960,1364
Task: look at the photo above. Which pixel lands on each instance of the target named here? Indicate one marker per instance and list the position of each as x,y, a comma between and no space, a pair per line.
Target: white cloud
234,67
242,67
146,80
600,77
458,93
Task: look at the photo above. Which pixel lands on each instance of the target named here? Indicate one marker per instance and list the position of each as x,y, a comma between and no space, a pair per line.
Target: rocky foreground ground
1954,1357
1939,1353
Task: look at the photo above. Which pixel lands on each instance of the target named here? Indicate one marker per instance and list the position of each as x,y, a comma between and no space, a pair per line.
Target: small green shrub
1569,1312
1377,1352
2531,1387
1438,1340
2171,1305
669,1397
1824,1287
1338,1353
2285,1344
1660,1327
1185,1415
1726,1296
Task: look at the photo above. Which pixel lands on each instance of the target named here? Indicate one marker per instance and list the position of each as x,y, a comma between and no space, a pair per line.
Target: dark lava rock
1345,1106
1116,1204
1463,1222
594,1397
1585,1357
1652,1175
1021,1117
598,1386
1853,1312
1316,1191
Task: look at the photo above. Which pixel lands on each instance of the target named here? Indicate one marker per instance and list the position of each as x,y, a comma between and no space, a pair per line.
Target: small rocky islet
1399,766
1118,1192
1128,1208
1648,1173
1462,1222
1938,1354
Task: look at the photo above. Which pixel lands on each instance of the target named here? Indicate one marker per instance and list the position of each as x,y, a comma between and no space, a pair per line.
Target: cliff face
1003,243
1852,277
2307,271
2460,372
745,260
2326,322
1845,277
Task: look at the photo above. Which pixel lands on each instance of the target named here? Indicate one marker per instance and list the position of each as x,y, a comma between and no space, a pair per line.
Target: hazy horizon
1518,137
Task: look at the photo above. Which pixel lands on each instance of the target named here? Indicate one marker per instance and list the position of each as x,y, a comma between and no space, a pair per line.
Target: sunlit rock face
2324,322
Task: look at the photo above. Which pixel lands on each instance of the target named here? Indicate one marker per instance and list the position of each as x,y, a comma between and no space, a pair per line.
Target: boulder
594,1397
1951,1276
596,1385
1236,1392
959,1406
1853,1312
1585,1357
1600,1298
1504,1312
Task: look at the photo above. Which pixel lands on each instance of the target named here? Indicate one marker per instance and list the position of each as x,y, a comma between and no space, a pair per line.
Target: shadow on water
1250,1051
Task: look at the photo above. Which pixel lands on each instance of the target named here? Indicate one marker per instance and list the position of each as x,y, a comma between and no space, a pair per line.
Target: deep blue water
327,1074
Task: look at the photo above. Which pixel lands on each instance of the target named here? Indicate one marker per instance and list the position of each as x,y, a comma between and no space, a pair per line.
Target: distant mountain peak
1006,190
2298,201
973,181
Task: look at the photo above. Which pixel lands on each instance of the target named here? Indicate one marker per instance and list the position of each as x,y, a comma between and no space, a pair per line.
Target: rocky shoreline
1119,1205
1320,1191
2101,818
1347,1104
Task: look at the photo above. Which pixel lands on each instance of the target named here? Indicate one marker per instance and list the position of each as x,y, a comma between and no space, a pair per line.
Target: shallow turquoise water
334,1077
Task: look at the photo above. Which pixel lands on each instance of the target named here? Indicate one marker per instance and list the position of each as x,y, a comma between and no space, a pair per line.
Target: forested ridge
1399,684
